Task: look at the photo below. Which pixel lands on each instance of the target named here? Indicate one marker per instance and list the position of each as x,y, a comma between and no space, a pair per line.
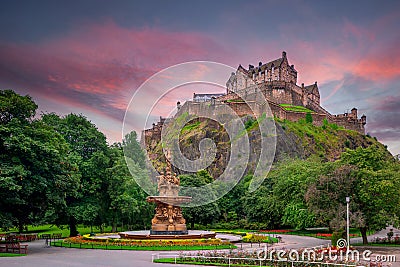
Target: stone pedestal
168,219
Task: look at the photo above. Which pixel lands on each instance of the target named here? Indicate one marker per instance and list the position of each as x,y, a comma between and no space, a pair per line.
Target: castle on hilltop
277,81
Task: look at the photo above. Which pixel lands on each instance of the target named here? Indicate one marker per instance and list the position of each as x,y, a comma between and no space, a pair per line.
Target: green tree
13,105
291,180
377,186
298,216
231,204
263,206
36,170
370,177
204,214
88,144
133,150
127,200
326,196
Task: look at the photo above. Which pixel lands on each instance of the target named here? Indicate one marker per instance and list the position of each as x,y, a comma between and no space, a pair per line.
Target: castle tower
353,113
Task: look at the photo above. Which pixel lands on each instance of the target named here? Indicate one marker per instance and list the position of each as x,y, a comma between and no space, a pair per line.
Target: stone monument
168,219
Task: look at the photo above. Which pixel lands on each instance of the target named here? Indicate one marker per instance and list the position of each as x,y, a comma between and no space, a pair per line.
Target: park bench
12,245
17,247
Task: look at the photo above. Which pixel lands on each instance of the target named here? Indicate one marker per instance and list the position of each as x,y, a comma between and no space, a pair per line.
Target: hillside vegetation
294,140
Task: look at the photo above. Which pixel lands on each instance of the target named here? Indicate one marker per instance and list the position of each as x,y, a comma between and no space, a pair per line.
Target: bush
309,118
334,126
336,236
325,124
347,143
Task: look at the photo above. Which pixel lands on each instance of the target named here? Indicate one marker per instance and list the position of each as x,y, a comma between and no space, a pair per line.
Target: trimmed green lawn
151,248
11,254
290,107
52,229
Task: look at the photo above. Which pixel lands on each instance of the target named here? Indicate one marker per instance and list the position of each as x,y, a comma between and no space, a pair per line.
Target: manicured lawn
11,254
290,107
52,229
233,232
161,248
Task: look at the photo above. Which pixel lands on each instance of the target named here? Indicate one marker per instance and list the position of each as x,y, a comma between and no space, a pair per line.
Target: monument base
152,232
145,235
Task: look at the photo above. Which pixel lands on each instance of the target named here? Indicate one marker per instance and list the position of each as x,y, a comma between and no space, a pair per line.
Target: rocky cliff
293,139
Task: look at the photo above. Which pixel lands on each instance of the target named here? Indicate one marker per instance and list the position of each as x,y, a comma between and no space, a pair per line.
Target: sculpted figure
177,181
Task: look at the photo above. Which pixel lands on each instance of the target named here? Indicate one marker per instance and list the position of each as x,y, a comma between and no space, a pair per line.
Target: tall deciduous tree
377,190
36,170
90,145
203,214
370,177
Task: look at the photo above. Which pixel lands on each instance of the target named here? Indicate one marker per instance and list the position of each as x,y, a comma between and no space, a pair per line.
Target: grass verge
4,254
149,248
52,229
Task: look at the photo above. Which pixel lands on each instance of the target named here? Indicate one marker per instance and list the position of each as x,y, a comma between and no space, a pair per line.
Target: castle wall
278,95
297,99
277,81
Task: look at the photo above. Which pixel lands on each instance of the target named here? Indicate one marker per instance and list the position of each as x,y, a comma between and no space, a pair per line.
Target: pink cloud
379,65
102,63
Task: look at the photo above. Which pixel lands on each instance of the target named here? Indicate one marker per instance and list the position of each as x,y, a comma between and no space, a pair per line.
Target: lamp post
348,223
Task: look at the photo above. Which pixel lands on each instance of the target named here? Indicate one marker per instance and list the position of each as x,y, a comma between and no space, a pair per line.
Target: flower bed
330,235
278,231
255,238
87,241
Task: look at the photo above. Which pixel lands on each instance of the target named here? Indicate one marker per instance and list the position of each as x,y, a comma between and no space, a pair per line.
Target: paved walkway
42,256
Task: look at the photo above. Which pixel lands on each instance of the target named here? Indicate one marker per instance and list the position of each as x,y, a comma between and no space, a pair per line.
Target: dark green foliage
133,150
371,179
200,214
36,169
309,118
15,106
82,135
347,143
249,123
336,236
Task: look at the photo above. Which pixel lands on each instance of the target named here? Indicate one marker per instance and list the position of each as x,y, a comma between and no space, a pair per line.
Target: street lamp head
347,199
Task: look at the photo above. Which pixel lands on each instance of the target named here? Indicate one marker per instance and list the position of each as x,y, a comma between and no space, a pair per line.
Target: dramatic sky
89,57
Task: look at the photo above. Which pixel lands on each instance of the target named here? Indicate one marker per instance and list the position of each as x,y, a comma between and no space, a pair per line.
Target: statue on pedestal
168,217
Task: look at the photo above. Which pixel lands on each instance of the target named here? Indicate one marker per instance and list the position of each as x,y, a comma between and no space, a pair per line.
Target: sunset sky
89,57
